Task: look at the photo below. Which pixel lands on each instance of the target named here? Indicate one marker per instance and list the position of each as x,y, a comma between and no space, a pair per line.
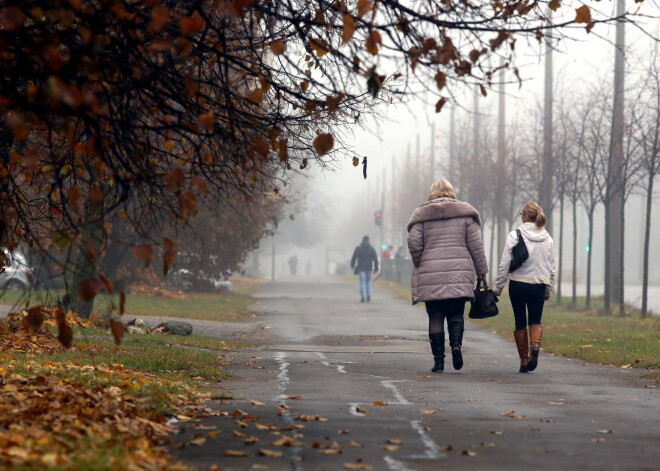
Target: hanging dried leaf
256,96
11,18
33,318
364,7
168,255
319,46
583,14
483,90
117,329
106,284
440,80
160,16
89,288
122,302
65,334
143,252
438,106
323,143
373,41
277,47
348,29
356,161
190,25
554,5
260,147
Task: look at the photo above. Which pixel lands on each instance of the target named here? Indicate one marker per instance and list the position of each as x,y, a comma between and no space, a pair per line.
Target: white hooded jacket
539,268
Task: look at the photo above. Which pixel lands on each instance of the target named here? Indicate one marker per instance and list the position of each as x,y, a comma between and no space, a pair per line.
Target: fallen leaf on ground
357,466
606,431
395,441
270,453
390,447
257,403
355,444
380,403
555,402
360,410
283,441
468,453
428,411
449,447
331,451
598,440
197,441
496,432
487,444
265,427
343,432
250,440
512,414
311,418
235,453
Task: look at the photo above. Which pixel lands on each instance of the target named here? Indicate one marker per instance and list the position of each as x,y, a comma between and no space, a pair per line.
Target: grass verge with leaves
625,341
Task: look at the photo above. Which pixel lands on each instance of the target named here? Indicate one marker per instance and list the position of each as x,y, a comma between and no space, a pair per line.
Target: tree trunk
615,184
647,244
560,268
621,255
574,280
606,277
85,267
590,217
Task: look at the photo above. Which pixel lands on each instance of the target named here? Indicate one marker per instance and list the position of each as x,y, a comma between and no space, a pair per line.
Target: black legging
526,299
452,309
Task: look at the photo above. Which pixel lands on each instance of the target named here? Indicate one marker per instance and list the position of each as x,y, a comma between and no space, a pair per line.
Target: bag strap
482,284
520,237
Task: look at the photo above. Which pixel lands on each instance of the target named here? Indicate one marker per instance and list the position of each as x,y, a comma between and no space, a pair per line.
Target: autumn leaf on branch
583,14
323,143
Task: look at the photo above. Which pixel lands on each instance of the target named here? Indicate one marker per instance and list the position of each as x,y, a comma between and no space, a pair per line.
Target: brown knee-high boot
522,342
535,335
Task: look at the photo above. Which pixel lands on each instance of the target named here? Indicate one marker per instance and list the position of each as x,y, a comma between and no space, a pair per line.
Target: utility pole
614,209
452,142
547,169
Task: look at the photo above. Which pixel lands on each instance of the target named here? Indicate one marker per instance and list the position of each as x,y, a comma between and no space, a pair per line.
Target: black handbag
519,253
484,303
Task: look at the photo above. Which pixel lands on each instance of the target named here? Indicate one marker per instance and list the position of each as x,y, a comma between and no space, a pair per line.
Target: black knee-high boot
455,329
438,349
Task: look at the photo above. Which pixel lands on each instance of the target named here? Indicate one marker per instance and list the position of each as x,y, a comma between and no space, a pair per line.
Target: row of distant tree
581,150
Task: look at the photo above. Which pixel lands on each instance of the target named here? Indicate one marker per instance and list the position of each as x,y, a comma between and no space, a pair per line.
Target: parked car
15,273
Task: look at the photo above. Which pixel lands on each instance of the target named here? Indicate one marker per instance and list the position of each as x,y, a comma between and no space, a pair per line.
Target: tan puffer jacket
446,248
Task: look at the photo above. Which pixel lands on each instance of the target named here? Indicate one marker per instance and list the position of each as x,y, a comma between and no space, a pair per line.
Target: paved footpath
342,385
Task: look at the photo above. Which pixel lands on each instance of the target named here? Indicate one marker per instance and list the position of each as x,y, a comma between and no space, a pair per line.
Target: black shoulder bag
519,253
484,304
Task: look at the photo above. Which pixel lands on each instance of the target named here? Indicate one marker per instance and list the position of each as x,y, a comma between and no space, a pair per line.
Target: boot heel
534,359
457,358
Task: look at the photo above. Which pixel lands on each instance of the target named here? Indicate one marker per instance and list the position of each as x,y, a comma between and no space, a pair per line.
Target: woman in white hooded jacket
530,284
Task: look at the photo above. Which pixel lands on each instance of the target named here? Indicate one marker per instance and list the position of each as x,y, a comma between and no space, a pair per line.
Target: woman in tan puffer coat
446,248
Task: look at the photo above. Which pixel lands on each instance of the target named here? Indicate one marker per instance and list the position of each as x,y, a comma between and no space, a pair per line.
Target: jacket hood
443,208
533,233
365,243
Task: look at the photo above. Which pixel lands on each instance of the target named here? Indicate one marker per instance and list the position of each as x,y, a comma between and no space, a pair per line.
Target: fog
336,206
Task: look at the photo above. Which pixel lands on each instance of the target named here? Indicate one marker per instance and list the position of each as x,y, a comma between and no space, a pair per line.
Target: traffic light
378,218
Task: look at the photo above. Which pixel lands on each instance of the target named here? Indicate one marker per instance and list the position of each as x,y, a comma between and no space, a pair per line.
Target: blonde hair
535,214
441,188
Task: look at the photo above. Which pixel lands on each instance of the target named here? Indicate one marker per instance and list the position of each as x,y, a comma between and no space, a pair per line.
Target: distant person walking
364,260
530,285
293,264
446,249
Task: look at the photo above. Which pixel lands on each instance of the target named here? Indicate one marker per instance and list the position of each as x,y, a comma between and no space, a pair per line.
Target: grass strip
216,306
586,334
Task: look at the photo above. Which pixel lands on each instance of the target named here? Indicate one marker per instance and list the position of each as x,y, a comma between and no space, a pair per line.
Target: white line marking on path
396,465
432,449
282,384
399,397
327,362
